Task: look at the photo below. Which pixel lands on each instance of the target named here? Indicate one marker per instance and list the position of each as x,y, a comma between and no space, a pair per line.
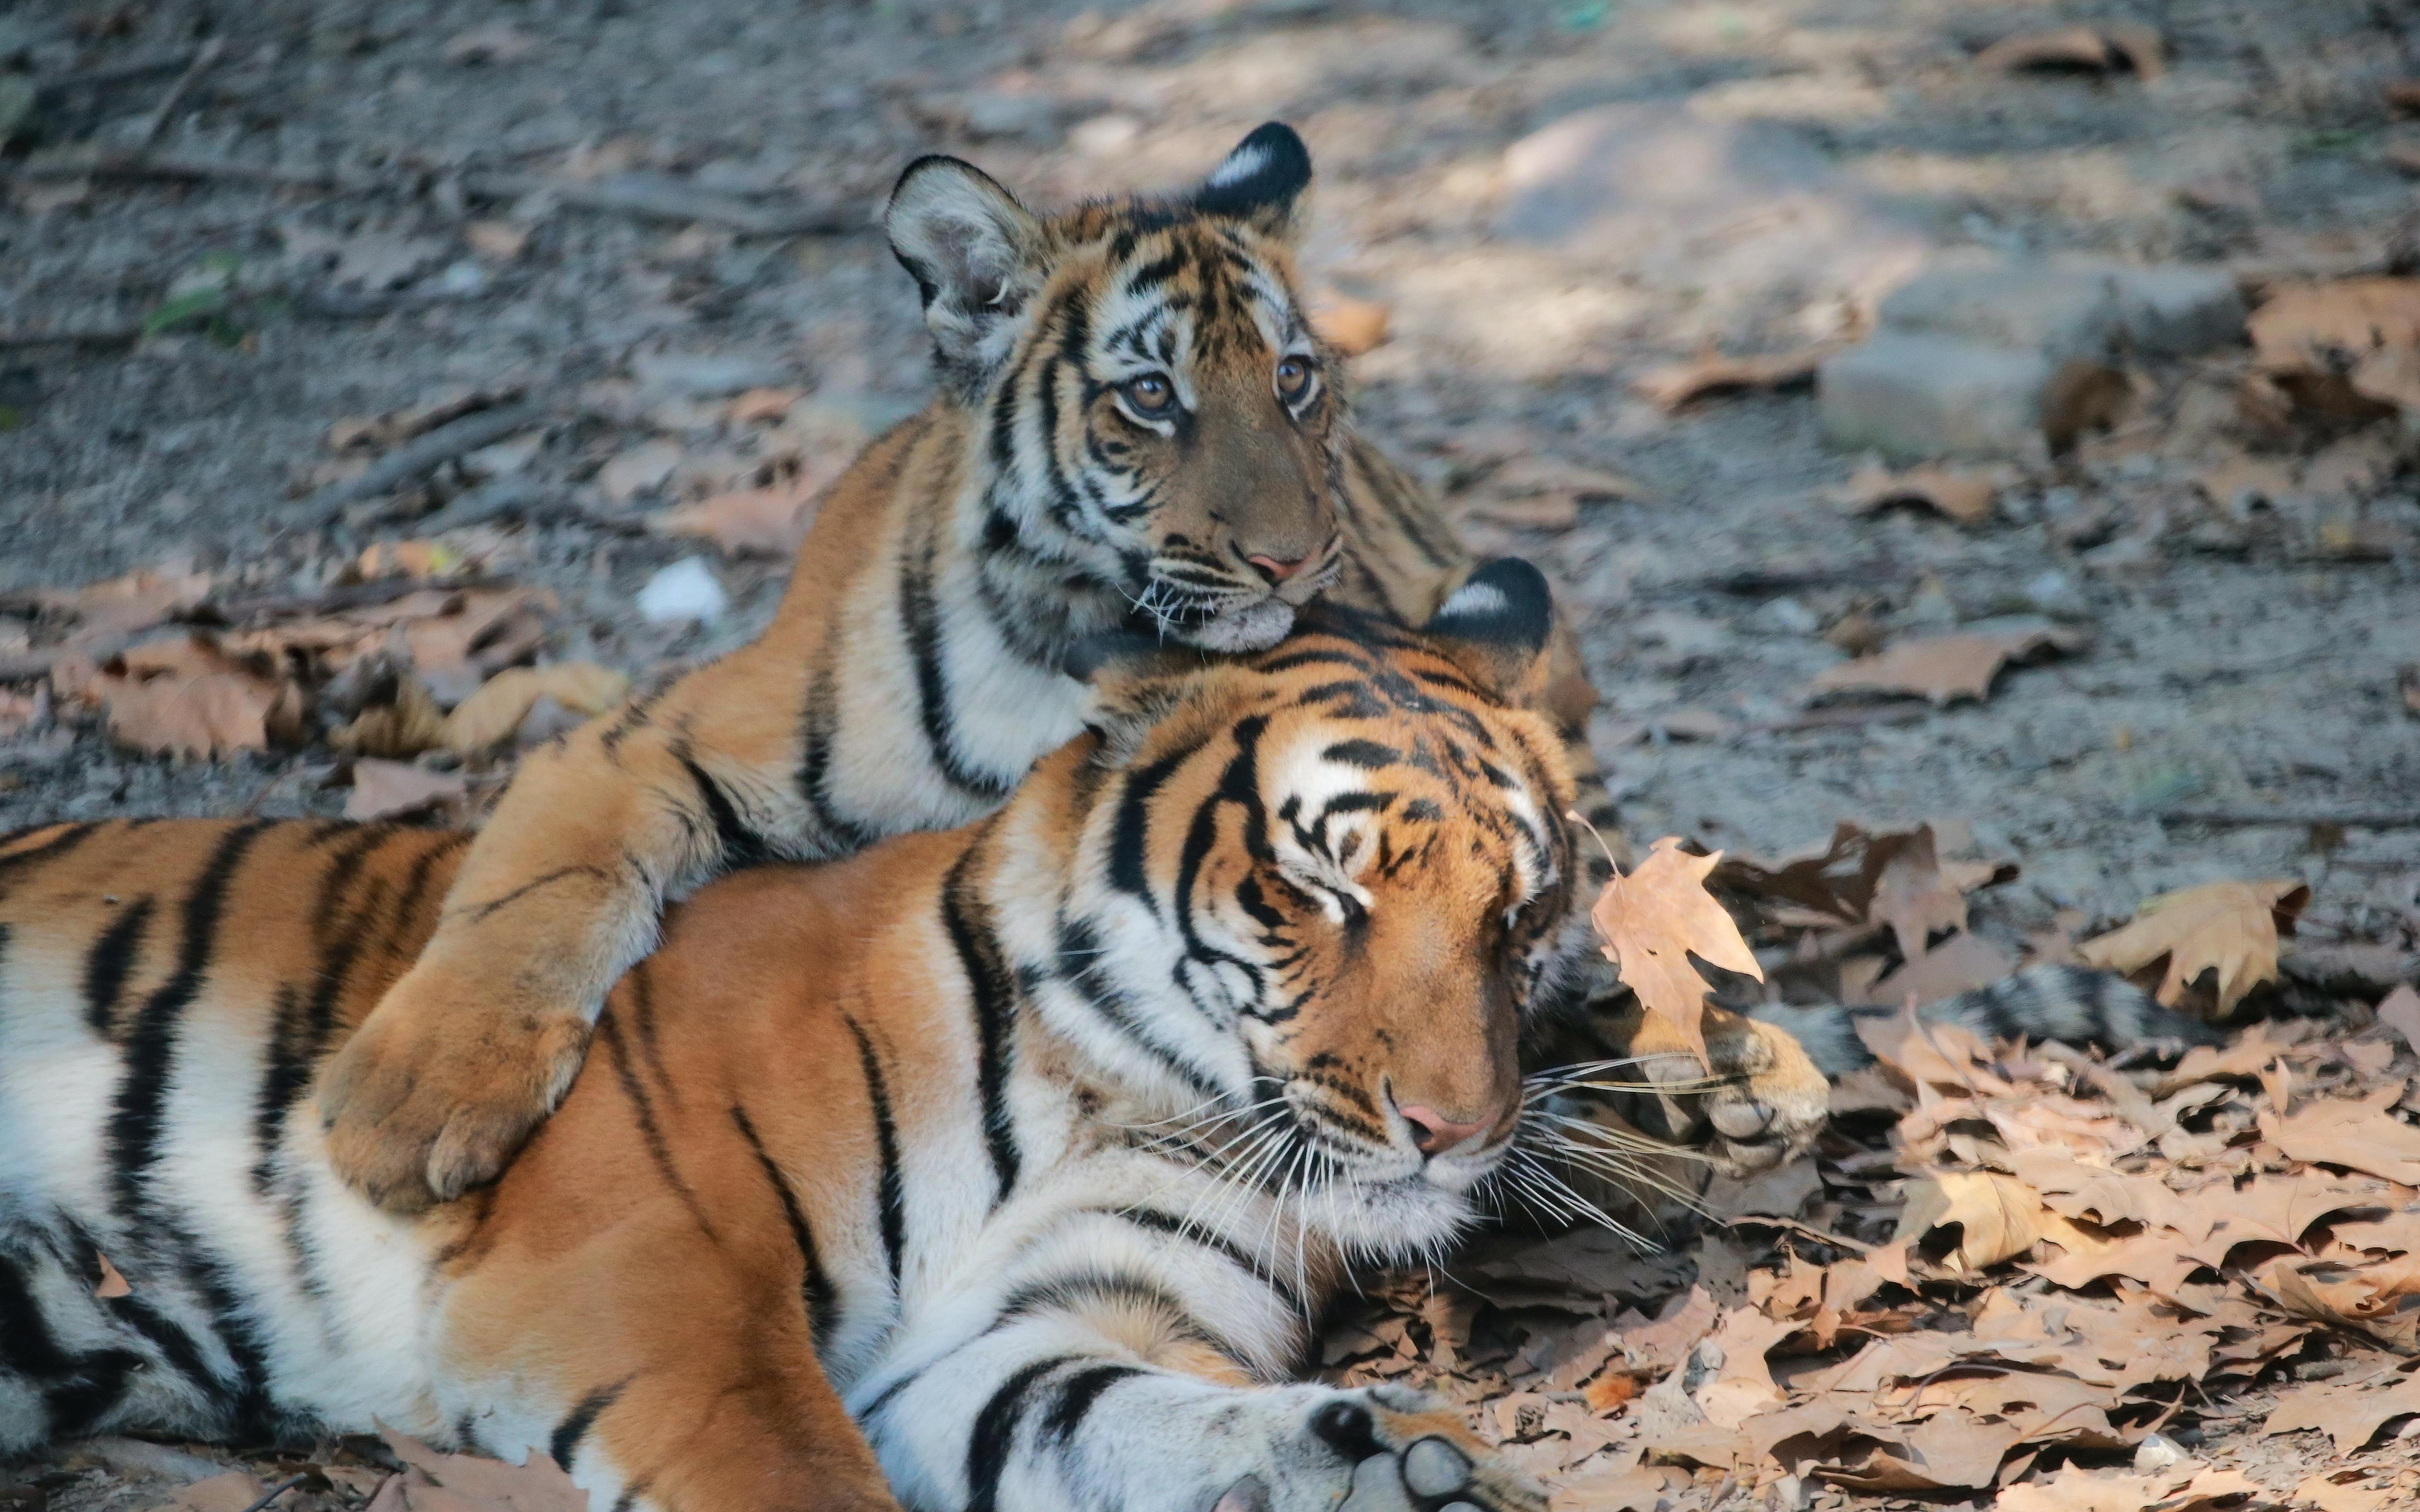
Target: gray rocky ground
1554,198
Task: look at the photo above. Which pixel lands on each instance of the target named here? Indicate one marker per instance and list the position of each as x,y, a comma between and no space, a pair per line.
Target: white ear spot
1240,165
1475,601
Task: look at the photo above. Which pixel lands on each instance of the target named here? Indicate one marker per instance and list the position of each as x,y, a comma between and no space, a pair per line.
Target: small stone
1915,395
684,592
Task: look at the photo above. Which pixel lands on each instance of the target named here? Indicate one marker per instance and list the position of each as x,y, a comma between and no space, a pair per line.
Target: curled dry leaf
396,790
1351,325
2358,1134
435,1482
1954,493
2344,1490
1945,669
2228,927
1999,1218
2349,1411
1682,384
2187,1487
490,717
761,521
2349,348
2102,49
1654,920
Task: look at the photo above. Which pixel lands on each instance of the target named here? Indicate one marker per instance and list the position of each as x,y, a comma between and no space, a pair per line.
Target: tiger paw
441,1086
1761,1099
1383,1449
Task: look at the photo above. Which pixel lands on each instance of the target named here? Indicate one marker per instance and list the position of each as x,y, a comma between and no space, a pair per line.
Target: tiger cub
1135,424
999,1169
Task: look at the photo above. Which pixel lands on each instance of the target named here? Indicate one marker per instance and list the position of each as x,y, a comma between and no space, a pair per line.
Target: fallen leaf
1351,325
490,717
2106,49
1945,669
395,790
2187,1487
2399,1011
763,522
642,469
407,559
434,1482
1654,920
1957,964
1681,384
2350,1412
181,698
1958,495
497,241
758,405
1610,1391
2342,1491
2228,927
111,1284
2359,1135
231,1492
2350,349
1999,1216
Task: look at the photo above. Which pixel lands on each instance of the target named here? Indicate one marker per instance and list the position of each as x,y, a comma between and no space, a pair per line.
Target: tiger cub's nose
1433,1131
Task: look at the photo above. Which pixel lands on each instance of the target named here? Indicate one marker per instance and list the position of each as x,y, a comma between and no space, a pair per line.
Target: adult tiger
1134,419
1034,1147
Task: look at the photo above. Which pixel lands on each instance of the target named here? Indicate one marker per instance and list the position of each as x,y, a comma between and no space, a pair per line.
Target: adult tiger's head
1148,403
1314,892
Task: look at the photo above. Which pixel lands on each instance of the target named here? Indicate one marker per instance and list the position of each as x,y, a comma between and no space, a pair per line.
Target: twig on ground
170,168
276,1492
2254,818
414,457
350,595
158,120
651,197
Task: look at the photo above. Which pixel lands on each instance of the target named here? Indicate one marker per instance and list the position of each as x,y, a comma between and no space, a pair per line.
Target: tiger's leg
1069,1406
473,1046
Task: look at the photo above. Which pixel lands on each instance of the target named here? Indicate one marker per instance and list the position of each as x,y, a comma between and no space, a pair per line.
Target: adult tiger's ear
1496,628
1136,679
1260,182
976,254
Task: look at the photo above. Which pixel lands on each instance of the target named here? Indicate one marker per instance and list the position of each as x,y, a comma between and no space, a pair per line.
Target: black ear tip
1270,167
926,164
1506,602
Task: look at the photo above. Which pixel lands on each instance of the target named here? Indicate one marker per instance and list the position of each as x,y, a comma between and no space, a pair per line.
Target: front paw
1390,1450
439,1086
1766,1103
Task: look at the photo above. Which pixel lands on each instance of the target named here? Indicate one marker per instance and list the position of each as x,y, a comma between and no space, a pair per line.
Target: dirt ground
401,236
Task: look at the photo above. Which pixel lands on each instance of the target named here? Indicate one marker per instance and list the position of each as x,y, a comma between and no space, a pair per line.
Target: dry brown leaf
2350,349
491,716
1999,1216
2186,1487
2228,927
2399,1011
1945,669
1955,494
1654,920
434,1482
1610,1391
2348,1412
2358,1135
763,522
2099,50
136,601
2342,1491
1681,384
1351,325
396,790
182,697
1958,964
2083,397
758,405
112,1284
231,1492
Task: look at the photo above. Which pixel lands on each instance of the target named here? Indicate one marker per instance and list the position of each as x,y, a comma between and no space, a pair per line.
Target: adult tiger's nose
1433,1131
1276,571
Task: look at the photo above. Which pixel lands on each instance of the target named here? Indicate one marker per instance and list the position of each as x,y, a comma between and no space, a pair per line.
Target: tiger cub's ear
976,254
1494,628
1260,182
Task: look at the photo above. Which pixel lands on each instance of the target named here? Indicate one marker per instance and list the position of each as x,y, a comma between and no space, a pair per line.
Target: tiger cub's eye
1294,377
1149,394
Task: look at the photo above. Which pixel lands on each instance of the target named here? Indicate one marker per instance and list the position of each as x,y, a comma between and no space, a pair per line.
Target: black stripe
814,1287
112,960
994,1003
1077,1395
609,1030
743,846
480,912
27,1345
565,1441
839,836
886,1139
995,1434
295,1046
1175,1227
1129,837
920,617
58,846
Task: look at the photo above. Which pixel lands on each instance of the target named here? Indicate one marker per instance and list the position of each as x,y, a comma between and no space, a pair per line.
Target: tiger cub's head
1315,892
1150,403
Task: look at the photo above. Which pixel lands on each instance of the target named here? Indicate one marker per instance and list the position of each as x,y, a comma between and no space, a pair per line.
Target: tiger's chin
1255,626
1392,1221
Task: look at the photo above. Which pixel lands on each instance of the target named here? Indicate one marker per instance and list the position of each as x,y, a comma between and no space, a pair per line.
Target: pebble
684,592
